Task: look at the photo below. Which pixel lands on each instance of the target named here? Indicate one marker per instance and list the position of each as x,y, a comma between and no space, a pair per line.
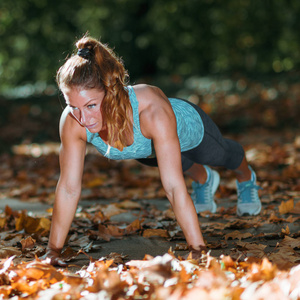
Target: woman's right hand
52,256
196,252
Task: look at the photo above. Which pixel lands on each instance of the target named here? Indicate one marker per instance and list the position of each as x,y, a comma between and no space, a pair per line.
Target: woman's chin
92,130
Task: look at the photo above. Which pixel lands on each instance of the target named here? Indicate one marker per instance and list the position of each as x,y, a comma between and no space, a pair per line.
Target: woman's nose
82,117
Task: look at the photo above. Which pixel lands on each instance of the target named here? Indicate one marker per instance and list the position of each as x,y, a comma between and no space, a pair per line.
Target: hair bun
84,53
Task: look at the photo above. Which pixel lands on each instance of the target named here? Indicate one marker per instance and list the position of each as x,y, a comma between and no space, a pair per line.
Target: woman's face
85,106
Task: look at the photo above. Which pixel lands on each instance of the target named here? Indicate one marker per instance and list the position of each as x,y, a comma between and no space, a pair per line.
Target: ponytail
96,66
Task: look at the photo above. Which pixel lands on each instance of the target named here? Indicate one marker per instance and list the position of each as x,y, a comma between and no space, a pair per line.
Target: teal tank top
189,129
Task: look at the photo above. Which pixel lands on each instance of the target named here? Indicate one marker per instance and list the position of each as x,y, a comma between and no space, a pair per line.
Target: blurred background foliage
237,59
154,37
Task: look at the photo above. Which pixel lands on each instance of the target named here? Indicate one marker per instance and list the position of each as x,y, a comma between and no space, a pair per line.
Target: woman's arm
68,190
158,122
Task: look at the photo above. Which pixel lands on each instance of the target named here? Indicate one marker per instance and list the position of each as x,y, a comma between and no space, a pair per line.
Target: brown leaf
33,225
116,257
69,254
253,249
285,257
238,235
296,209
169,214
27,243
128,204
286,207
8,211
36,270
228,263
155,232
286,231
134,226
265,271
107,232
251,246
6,252
181,247
290,242
2,222
94,182
238,224
112,210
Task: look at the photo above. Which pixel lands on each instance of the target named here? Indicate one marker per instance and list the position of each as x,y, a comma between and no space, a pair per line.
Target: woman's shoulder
154,108
149,96
146,90
69,128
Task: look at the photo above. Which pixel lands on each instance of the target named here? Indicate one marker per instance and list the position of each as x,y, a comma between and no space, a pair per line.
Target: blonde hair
100,68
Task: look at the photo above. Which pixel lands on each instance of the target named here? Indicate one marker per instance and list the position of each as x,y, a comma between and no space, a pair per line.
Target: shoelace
205,190
253,188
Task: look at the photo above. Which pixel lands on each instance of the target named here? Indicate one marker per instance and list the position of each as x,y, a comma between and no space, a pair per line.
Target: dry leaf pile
249,258
161,277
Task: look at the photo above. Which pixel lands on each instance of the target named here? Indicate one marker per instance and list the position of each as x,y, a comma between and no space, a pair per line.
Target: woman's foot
203,194
248,200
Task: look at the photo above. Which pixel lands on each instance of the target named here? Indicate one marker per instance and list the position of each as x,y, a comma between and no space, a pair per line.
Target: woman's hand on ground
196,252
53,257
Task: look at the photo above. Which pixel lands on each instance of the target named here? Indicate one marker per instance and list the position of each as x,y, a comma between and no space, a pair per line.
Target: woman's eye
91,105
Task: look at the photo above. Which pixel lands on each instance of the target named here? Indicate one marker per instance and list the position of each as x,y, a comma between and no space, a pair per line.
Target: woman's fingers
196,253
53,257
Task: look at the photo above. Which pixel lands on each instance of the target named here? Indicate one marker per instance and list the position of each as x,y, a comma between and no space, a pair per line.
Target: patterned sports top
189,129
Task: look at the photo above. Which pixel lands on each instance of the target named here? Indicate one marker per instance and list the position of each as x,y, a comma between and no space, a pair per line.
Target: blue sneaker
203,194
248,200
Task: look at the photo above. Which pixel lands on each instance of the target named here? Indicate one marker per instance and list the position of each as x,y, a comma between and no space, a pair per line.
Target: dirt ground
128,191
123,208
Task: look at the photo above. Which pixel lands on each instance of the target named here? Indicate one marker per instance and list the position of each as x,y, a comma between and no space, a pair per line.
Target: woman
140,122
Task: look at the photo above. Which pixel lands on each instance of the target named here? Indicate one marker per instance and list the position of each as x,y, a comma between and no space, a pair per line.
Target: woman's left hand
52,256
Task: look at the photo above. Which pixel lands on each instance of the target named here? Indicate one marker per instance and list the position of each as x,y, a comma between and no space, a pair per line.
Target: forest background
210,52
155,38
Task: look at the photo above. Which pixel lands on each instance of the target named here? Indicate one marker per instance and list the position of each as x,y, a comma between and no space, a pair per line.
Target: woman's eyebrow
71,105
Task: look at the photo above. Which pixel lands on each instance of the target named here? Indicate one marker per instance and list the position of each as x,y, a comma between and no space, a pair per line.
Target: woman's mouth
91,126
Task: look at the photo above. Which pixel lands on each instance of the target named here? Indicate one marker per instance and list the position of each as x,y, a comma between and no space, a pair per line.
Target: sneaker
248,200
203,194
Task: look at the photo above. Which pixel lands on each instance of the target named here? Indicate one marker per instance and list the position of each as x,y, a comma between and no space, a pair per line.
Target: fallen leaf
290,242
69,254
296,209
94,183
6,252
155,232
2,222
134,226
181,247
128,204
286,231
285,257
27,243
33,225
286,207
112,210
238,235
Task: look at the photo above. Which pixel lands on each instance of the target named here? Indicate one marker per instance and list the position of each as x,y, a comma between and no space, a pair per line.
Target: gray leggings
214,150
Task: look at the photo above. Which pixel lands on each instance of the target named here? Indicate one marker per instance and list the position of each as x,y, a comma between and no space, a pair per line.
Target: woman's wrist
198,248
53,249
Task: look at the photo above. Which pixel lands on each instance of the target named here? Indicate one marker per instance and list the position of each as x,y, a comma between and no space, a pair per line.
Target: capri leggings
214,150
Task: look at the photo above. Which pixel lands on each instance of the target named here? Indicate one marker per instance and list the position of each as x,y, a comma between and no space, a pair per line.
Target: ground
123,213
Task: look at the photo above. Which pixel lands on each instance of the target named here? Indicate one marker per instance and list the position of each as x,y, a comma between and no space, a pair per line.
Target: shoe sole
215,185
257,212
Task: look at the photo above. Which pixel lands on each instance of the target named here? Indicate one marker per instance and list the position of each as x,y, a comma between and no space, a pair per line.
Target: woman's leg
197,172
243,172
